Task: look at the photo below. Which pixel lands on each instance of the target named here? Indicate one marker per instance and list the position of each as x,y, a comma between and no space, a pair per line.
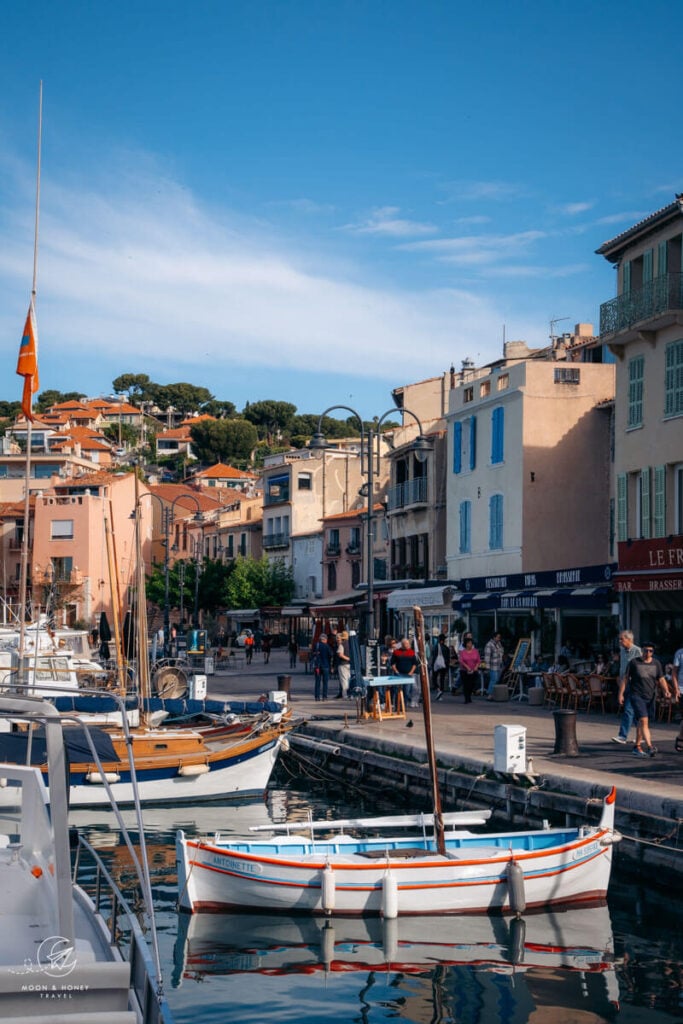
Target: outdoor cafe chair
550,694
597,691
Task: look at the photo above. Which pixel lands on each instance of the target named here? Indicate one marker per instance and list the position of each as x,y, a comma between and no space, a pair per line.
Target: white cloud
140,275
309,207
478,249
572,209
384,221
490,191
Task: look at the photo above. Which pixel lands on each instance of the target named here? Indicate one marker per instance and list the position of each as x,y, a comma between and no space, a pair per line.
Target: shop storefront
574,606
649,582
437,610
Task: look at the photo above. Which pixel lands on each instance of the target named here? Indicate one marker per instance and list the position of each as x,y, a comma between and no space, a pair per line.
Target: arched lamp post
370,459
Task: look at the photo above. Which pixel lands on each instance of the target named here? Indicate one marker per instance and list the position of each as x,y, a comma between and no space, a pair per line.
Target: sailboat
326,868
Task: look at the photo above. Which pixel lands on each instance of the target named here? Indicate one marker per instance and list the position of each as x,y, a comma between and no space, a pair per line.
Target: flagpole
29,421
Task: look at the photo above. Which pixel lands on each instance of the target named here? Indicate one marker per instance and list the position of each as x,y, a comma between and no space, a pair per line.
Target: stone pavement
468,730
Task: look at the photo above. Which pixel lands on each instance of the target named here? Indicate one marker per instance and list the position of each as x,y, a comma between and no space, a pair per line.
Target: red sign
652,565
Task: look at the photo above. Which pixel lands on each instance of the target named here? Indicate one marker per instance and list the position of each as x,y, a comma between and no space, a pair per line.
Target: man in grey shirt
629,650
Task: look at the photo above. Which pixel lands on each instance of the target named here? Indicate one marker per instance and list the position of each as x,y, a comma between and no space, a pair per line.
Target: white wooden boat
399,874
225,943
176,766
59,952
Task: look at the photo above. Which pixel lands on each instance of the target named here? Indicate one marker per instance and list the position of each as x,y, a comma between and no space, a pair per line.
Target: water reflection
581,965
469,961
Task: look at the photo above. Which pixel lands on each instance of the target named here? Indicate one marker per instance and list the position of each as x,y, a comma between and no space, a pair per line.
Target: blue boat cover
177,708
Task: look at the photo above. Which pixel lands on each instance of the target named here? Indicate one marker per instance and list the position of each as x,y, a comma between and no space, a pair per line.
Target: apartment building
529,496
643,327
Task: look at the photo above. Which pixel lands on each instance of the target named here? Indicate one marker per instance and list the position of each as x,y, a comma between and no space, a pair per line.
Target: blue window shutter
473,441
626,278
662,261
497,434
496,522
457,447
465,513
647,265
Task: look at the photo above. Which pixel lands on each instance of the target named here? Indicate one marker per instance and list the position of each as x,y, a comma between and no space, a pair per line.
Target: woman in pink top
470,661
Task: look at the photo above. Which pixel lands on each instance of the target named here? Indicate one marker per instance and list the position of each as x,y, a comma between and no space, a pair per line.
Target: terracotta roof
178,434
197,419
70,406
195,499
223,472
351,514
97,478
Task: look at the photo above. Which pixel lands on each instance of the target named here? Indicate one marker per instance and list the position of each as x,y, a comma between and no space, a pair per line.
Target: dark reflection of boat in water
577,940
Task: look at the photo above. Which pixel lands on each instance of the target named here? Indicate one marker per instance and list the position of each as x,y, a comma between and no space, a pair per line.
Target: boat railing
145,981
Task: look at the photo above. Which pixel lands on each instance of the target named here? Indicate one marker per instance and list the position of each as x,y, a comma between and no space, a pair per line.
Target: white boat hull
392,877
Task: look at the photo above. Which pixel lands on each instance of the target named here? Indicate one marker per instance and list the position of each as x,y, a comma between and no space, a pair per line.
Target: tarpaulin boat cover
14,746
176,708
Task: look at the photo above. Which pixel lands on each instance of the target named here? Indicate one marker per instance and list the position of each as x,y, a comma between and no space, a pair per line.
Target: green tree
257,583
221,410
270,417
183,397
128,434
46,399
10,410
135,385
223,440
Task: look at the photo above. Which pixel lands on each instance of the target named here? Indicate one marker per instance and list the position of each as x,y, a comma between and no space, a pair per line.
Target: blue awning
578,598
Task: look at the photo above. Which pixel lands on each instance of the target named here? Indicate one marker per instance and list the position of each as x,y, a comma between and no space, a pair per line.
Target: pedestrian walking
644,675
493,657
293,649
629,650
322,662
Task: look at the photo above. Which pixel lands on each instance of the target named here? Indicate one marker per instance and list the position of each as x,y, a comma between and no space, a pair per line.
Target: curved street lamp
369,467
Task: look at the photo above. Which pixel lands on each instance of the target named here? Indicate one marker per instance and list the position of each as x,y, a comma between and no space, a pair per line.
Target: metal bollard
284,683
565,733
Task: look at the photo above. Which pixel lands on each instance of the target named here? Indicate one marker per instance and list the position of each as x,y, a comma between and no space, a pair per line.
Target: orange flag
27,364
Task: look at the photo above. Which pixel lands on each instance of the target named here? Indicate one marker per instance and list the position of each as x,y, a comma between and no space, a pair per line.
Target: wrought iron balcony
411,492
333,548
353,548
661,296
275,540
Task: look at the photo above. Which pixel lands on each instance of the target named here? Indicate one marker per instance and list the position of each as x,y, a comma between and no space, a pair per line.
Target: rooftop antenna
553,337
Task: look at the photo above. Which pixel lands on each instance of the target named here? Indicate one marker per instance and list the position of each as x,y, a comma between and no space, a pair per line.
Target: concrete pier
390,756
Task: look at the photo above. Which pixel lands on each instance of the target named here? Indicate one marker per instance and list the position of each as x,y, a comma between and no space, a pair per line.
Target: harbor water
619,961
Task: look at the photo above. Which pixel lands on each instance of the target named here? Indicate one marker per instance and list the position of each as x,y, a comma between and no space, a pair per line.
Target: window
62,529
567,375
644,503
503,382
465,527
332,576
485,389
636,373
622,507
277,489
231,545
497,435
61,569
673,381
496,522
305,481
678,499
333,547
468,395
355,573
473,441
659,519
44,470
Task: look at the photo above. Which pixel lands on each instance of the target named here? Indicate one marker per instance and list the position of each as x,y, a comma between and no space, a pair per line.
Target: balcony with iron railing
410,492
353,548
333,548
657,304
275,540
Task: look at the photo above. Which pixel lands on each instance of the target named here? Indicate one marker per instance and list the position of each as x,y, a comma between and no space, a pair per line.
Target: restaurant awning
424,597
578,598
340,603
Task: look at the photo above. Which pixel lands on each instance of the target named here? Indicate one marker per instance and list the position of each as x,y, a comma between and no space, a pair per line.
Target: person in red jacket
404,663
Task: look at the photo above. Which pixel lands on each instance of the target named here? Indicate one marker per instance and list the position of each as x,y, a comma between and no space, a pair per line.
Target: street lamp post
167,520
370,461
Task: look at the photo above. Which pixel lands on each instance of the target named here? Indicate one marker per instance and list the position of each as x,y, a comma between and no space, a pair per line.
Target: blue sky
319,201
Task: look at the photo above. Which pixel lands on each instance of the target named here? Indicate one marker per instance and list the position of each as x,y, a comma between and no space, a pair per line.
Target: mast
23,570
144,686
429,736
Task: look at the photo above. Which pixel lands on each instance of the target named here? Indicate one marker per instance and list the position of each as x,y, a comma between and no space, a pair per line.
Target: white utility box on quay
509,748
198,687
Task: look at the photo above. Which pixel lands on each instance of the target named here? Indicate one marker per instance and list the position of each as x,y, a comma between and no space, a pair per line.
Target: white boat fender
190,770
389,896
101,778
284,744
517,940
327,944
390,940
516,893
328,889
